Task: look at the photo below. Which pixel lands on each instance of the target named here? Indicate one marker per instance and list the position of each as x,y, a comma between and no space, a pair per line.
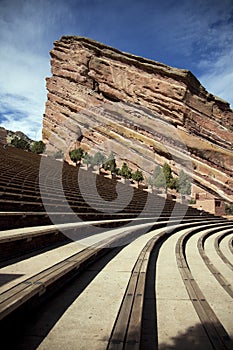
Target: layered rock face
144,111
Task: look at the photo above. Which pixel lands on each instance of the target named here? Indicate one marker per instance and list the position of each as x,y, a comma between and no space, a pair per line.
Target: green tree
159,178
87,159
110,163
125,171
113,168
167,171
160,181
184,183
76,155
173,185
157,171
150,182
137,176
38,147
229,209
20,143
99,159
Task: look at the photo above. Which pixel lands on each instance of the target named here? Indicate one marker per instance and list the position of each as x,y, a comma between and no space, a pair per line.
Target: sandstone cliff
144,111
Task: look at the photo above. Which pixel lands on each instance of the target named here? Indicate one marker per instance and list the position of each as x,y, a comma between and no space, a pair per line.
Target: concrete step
218,299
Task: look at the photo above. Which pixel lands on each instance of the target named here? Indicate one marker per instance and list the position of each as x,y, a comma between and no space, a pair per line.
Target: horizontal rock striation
144,111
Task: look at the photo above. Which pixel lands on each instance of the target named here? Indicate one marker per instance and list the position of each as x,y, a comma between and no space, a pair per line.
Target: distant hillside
19,140
6,136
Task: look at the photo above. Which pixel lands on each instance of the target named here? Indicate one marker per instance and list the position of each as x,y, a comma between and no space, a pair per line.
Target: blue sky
195,35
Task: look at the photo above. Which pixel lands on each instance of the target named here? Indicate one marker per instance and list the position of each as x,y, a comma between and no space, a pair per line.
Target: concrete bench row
21,241
129,321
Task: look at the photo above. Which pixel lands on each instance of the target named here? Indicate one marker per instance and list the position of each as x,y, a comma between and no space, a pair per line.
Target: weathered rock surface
144,111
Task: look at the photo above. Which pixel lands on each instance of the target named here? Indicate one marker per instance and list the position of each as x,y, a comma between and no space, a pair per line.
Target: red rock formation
144,111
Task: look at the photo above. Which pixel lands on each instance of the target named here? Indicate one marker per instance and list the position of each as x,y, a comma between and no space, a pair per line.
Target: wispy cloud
215,67
23,70
22,90
28,29
218,76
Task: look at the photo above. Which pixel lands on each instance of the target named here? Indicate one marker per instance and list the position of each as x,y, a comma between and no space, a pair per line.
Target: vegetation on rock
20,143
229,209
87,159
76,155
137,176
184,183
110,164
99,159
162,177
125,171
38,147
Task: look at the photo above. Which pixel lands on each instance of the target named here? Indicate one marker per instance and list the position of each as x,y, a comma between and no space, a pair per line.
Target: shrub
192,201
159,178
99,159
38,147
167,172
125,171
110,163
87,159
184,183
76,155
20,143
229,209
137,176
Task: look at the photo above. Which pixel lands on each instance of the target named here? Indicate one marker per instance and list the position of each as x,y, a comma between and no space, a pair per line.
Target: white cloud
28,29
206,40
23,70
25,124
22,90
218,78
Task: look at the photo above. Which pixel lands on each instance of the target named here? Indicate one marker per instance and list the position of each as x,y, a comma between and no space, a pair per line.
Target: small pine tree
113,167
157,171
150,182
110,163
158,178
99,159
160,181
137,176
38,147
229,209
87,159
173,185
184,183
76,155
20,143
167,174
125,171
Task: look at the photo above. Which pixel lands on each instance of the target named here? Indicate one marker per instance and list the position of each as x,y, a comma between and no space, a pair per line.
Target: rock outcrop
144,111
6,136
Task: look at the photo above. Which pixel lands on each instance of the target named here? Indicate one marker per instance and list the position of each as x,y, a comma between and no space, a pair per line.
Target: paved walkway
217,297
224,247
86,321
178,324
19,271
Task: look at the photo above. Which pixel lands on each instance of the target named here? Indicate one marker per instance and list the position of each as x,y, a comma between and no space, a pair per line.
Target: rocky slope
6,136
144,111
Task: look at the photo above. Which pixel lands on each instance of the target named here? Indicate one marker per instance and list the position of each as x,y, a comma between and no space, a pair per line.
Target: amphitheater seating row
33,199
